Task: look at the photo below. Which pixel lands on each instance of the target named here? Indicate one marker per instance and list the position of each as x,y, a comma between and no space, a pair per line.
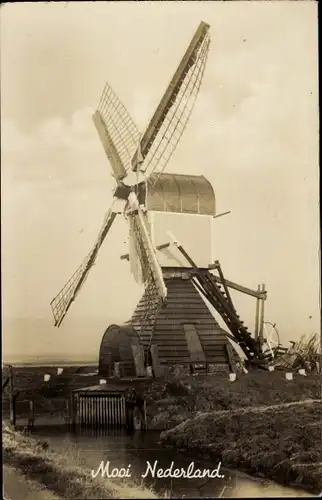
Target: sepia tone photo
161,324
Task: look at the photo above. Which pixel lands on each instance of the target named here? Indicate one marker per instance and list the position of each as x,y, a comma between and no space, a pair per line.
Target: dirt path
262,408
18,487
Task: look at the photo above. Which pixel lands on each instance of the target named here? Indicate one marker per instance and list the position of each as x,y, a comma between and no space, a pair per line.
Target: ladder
219,297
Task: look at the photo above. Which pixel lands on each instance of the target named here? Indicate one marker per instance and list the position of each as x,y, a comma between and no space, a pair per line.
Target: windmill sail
118,132
63,300
148,269
138,261
171,116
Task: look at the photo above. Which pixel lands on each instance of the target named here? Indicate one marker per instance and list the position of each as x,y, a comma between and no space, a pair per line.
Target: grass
53,471
171,402
306,353
18,486
281,442
309,350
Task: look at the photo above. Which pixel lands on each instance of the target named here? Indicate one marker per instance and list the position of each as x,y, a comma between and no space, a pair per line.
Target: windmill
138,162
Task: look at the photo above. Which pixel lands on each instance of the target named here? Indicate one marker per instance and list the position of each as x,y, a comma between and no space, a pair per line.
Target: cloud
57,152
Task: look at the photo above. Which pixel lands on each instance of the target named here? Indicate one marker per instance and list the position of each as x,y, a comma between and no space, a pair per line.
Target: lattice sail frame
63,300
151,153
144,253
153,304
122,132
155,298
138,259
176,117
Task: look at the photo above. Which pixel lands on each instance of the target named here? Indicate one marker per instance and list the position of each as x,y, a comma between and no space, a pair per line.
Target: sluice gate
99,409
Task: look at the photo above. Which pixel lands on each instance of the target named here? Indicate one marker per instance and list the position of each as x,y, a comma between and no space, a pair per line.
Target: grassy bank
281,442
247,424
171,402
56,474
18,486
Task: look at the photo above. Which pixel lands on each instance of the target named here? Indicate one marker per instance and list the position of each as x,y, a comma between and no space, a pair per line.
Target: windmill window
193,343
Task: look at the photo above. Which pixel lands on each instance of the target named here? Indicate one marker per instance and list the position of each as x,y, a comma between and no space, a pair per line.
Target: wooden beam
262,318
5,383
126,256
156,366
138,358
220,215
223,281
257,314
230,358
240,288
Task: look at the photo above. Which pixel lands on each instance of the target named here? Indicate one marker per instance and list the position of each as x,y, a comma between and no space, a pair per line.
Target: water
89,449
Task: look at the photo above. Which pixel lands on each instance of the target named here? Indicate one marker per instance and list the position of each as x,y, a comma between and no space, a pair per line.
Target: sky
253,134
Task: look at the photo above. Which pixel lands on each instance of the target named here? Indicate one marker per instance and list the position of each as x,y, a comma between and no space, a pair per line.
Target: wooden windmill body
172,313
185,331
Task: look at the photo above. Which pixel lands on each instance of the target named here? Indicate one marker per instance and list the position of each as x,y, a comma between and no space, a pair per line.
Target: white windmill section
137,270
193,231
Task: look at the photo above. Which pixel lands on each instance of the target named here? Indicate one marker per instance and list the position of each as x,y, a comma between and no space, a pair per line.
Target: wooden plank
175,359
180,340
231,361
138,356
183,315
209,324
193,343
185,290
157,369
184,304
173,326
214,333
220,353
185,298
170,345
217,359
187,309
213,339
177,337
215,349
172,348
169,351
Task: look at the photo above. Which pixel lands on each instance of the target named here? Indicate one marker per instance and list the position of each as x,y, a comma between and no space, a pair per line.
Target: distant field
53,364
49,360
